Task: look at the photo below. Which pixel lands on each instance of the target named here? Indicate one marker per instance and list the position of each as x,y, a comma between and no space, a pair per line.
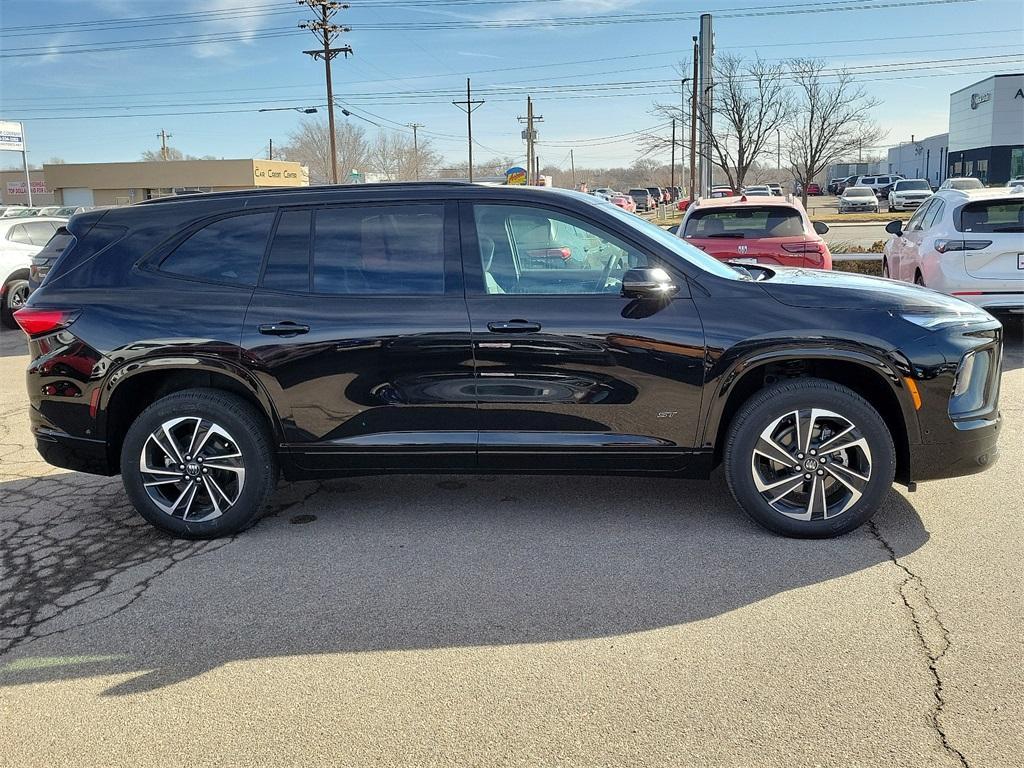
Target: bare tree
151,155
396,158
832,120
310,146
751,105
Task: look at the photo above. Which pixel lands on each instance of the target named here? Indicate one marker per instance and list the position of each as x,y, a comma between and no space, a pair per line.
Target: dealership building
985,139
126,183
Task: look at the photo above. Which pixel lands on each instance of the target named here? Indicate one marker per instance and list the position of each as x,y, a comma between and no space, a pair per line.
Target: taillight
806,246
36,322
945,246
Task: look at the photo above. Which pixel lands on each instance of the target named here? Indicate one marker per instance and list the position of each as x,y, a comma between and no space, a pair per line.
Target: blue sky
393,77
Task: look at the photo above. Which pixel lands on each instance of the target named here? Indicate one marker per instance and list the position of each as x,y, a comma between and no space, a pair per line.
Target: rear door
570,375
993,232
359,331
904,253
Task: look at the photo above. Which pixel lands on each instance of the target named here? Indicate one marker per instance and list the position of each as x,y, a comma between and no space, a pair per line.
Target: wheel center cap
810,464
192,468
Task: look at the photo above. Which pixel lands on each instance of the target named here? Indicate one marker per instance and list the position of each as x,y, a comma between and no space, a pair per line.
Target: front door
570,375
360,332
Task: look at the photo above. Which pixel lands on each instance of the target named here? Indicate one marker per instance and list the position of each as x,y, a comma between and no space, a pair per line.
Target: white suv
877,183
967,243
20,240
909,193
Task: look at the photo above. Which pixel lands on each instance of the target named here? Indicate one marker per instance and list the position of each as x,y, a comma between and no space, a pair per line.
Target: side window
225,251
934,214
532,250
288,262
867,181
18,234
914,223
380,249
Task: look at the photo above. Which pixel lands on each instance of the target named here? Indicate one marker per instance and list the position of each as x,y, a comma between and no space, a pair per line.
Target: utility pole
270,150
707,75
532,176
326,32
778,150
572,165
164,136
469,106
672,174
415,148
693,126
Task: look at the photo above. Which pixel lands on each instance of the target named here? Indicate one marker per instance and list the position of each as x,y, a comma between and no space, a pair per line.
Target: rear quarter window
228,250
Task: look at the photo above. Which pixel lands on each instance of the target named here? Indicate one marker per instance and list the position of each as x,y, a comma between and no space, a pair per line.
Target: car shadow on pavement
389,563
12,342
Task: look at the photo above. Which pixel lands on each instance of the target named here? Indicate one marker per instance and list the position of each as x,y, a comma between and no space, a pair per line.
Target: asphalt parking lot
479,620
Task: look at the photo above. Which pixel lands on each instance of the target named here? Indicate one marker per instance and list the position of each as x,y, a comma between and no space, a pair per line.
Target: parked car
775,188
908,193
966,243
1016,182
625,202
856,199
878,184
70,210
962,183
842,185
658,194
19,212
718,192
758,191
814,189
683,204
757,230
605,192
20,240
47,210
834,186
643,199
216,341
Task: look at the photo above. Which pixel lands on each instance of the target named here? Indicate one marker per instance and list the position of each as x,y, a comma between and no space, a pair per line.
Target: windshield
993,216
921,184
965,184
859,192
745,221
680,248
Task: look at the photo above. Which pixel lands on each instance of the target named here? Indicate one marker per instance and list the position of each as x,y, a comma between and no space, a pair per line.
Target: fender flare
891,368
193,364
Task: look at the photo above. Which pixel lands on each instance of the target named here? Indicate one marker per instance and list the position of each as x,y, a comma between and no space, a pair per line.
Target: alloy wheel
811,464
17,296
192,469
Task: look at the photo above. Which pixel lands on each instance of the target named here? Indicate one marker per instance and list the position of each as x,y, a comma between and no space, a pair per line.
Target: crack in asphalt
71,539
932,635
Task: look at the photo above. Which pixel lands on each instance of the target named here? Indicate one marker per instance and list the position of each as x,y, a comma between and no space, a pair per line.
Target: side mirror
648,284
820,227
894,228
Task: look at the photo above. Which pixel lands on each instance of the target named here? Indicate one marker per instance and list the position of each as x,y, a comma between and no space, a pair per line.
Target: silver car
858,199
967,243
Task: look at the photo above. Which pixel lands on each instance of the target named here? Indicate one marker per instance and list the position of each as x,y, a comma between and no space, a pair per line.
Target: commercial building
14,190
920,158
125,183
986,129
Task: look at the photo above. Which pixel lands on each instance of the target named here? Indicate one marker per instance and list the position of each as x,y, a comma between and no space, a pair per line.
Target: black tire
769,405
248,432
15,292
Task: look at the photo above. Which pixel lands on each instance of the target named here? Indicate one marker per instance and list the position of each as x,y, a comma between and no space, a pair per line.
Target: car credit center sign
11,136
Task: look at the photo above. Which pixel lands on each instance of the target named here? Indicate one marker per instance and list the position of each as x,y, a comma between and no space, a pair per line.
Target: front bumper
975,452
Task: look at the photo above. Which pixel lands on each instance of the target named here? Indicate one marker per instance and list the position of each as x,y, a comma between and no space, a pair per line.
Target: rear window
992,216
225,251
859,192
55,247
746,222
906,186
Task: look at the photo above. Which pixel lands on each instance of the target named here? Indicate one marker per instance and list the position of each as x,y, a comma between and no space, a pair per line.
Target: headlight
933,321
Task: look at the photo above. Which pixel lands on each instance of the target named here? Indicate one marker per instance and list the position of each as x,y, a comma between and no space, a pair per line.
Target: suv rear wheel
198,464
15,294
809,458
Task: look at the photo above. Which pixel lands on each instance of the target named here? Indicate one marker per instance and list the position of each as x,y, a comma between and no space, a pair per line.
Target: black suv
201,346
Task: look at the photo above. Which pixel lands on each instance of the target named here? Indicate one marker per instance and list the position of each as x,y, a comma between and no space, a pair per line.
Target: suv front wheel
809,458
198,464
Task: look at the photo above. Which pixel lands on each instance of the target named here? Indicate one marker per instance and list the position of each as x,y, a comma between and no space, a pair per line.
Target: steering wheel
606,273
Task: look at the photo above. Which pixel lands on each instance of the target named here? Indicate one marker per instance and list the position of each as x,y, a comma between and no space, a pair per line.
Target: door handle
287,328
514,326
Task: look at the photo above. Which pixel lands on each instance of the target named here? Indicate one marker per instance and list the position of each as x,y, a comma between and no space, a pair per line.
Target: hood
825,289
